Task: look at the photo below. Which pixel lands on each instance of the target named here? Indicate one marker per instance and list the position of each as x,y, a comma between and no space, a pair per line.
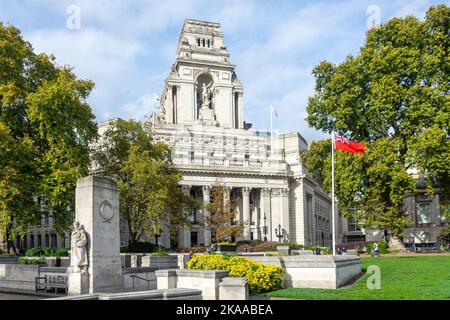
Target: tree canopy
151,200
393,95
46,126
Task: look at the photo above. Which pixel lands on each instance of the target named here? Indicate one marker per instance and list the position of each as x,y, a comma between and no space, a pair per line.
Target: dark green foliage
47,252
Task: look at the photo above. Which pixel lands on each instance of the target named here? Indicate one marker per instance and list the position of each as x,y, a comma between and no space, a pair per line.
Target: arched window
425,237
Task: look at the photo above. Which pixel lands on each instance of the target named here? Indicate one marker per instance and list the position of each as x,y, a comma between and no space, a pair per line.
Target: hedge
27,260
260,278
47,252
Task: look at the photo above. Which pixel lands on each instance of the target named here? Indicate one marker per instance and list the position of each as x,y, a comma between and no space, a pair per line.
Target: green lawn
402,278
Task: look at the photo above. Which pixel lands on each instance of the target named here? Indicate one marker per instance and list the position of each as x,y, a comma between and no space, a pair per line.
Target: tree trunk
396,243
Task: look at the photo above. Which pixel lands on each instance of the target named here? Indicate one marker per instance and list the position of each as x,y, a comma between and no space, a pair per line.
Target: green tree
45,129
151,199
393,95
222,219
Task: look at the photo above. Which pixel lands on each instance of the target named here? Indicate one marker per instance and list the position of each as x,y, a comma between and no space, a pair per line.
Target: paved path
15,296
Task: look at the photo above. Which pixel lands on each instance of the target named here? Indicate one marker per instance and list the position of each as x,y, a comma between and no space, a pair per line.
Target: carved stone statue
206,92
79,240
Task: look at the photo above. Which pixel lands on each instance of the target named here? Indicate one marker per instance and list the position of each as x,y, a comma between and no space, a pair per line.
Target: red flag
346,145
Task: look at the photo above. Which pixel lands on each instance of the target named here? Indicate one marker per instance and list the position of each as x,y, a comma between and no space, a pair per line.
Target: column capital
266,192
246,191
285,192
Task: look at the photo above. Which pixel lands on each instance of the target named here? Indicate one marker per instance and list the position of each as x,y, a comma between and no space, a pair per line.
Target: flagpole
332,195
271,133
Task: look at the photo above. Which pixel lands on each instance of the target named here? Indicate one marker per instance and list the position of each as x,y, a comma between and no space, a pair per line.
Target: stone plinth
233,289
205,280
97,211
78,283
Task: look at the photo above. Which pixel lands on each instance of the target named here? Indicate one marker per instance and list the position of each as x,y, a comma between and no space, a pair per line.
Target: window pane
424,213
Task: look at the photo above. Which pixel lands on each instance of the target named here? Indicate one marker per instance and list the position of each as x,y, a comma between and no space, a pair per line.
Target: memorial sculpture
79,241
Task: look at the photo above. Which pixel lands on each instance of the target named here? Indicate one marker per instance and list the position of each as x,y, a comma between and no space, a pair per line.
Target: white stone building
202,118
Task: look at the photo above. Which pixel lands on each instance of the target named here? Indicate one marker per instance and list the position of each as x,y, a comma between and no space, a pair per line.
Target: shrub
266,246
444,236
191,250
227,243
47,252
28,260
244,248
260,278
249,242
294,246
159,254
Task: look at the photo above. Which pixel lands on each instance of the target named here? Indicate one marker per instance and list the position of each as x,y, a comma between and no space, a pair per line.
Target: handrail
140,278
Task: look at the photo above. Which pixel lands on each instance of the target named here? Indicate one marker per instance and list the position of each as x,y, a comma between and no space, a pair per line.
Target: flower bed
260,278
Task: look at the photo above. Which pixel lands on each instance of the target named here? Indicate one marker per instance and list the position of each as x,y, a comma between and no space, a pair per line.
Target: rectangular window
353,225
424,212
194,238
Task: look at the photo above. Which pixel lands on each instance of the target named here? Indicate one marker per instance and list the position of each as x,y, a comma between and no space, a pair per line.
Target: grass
402,278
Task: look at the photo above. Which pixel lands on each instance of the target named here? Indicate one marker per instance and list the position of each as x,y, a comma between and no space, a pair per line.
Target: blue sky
128,47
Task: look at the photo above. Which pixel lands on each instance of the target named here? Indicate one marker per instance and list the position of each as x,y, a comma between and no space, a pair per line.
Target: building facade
202,118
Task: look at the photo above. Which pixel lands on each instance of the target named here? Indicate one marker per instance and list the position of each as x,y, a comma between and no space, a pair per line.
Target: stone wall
133,279
311,271
17,276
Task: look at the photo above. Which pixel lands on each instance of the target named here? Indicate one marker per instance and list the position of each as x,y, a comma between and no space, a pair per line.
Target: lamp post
265,228
279,233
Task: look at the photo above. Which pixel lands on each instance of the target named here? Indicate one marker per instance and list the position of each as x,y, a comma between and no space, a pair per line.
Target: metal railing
133,276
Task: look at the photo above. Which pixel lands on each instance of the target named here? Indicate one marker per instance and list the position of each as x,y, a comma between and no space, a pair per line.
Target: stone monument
95,239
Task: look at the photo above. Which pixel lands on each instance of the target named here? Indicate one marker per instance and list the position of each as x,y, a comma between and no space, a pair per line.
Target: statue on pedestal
79,240
206,113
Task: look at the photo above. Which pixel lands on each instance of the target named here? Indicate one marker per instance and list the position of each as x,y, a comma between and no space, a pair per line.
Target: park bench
51,283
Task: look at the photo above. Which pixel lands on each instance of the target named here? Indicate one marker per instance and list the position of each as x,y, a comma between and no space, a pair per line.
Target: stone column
241,110
265,212
185,232
206,199
246,211
285,213
97,215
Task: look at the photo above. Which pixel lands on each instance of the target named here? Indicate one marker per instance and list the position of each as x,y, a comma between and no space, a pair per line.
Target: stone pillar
206,199
265,213
97,212
285,213
185,232
241,110
246,211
